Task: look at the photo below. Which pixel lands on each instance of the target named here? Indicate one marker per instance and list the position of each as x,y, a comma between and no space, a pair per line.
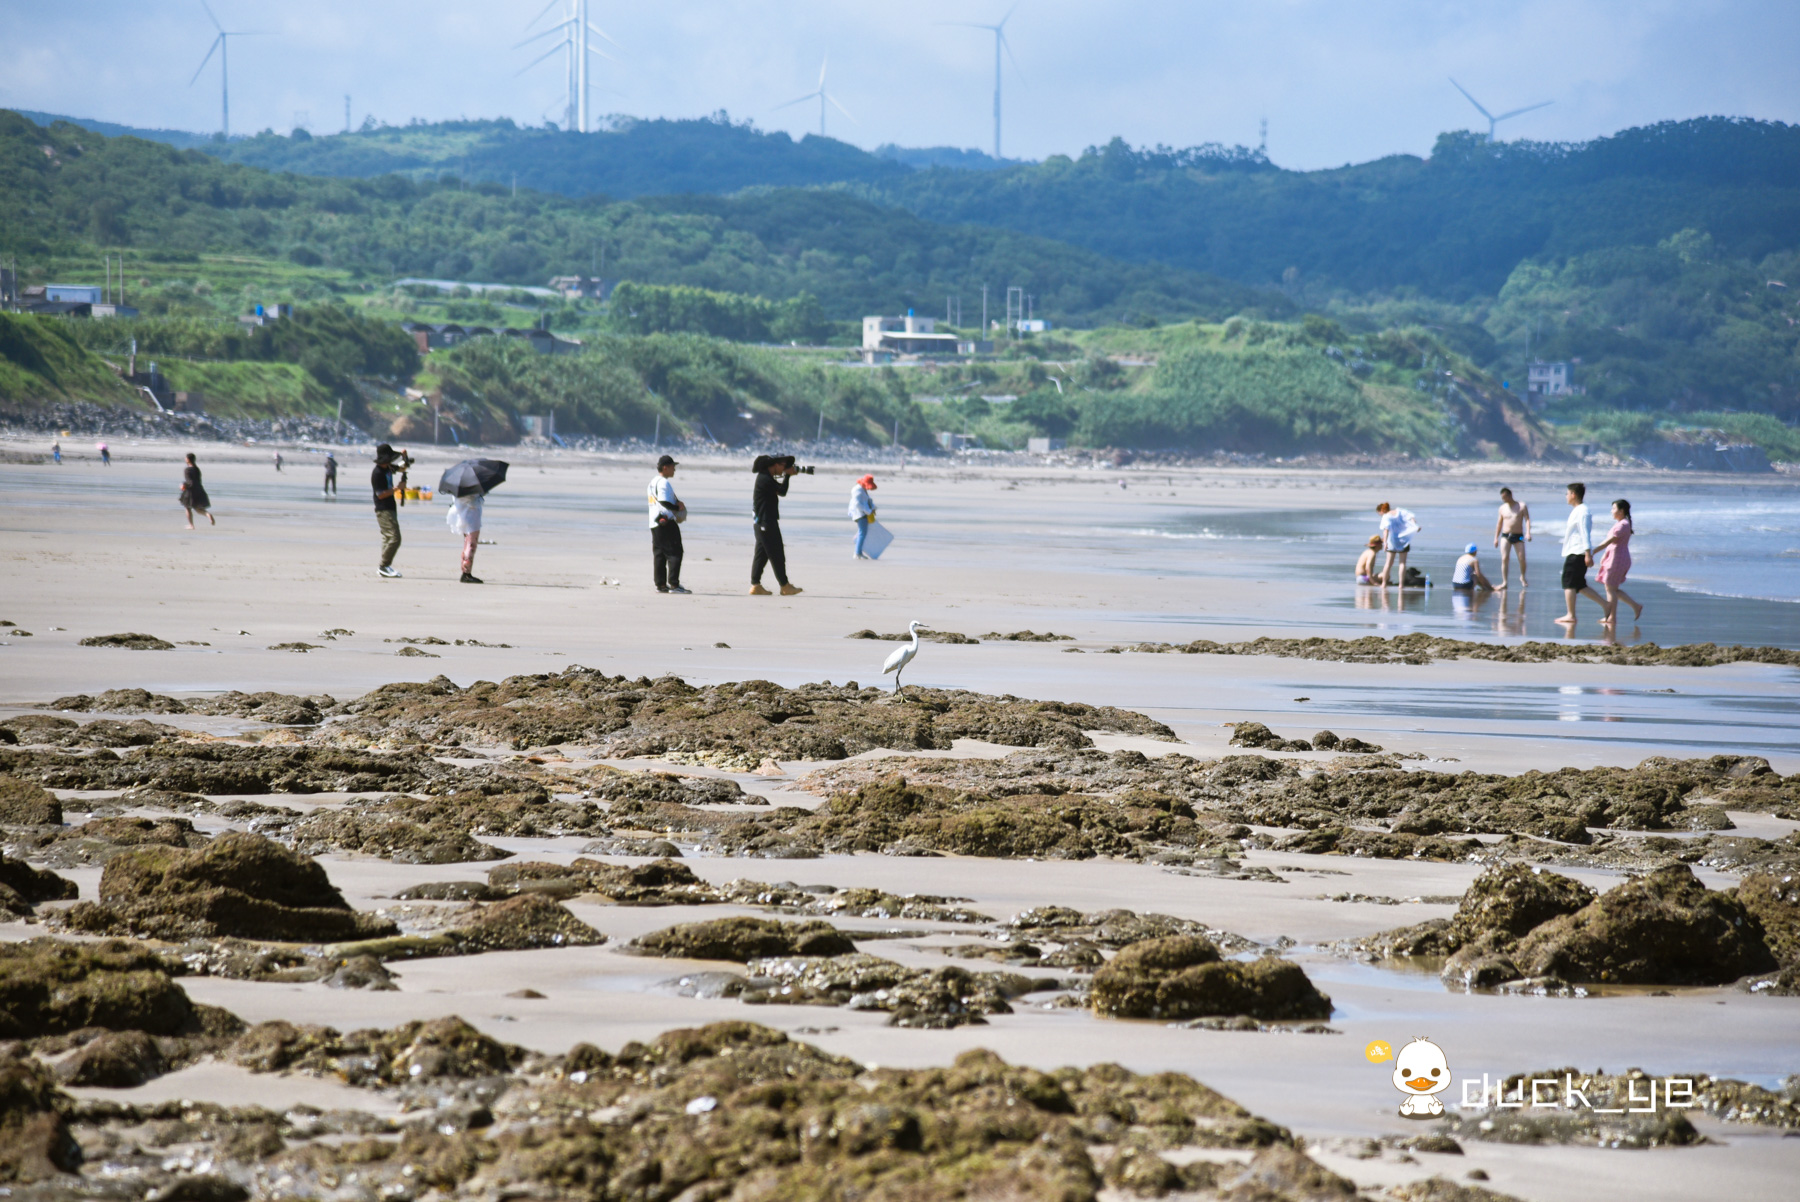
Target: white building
911,335
1548,379
81,294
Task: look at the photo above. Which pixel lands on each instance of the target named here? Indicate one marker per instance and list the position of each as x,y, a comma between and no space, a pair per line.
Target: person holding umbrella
667,512
467,483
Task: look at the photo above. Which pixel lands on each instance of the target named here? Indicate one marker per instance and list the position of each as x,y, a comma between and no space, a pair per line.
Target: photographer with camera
667,512
388,462
773,473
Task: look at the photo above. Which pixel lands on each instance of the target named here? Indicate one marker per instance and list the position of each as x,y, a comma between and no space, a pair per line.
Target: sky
1338,81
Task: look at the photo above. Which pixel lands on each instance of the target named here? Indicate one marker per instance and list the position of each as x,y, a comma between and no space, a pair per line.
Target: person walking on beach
56,451
1578,554
464,518
193,493
1365,563
387,511
862,511
773,474
105,455
1615,562
1512,530
667,512
1397,529
330,486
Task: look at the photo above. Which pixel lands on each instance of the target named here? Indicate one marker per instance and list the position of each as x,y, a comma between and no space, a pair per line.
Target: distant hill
174,137
1451,226
854,255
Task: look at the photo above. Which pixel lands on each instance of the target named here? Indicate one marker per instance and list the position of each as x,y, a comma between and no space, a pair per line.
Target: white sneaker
390,573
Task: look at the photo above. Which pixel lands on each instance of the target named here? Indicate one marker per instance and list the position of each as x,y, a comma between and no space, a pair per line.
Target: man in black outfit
772,476
387,513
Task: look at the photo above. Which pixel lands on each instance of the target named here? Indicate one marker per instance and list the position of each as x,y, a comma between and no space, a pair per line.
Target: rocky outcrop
743,940
51,988
23,887
238,885
23,803
1183,977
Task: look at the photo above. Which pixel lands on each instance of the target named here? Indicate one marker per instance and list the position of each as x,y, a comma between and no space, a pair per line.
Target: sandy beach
94,551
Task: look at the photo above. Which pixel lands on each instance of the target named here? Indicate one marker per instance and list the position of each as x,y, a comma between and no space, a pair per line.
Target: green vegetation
42,361
654,309
67,193
255,390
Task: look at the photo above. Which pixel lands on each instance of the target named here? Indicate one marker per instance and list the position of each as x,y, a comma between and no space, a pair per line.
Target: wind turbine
1000,43
1493,120
822,96
575,29
222,44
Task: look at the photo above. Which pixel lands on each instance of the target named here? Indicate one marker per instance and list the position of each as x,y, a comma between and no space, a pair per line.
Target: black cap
761,464
384,451
665,461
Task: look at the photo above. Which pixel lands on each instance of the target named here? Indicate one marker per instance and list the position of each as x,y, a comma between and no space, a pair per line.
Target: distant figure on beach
464,518
1365,563
1468,575
330,487
667,512
56,451
387,510
105,455
1615,562
193,493
1578,553
862,511
1512,530
1397,529
277,460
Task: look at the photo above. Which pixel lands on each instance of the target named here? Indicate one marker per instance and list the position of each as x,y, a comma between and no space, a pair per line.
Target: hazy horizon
1336,86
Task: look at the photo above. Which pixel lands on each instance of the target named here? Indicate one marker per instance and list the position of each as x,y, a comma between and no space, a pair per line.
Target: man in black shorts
1578,554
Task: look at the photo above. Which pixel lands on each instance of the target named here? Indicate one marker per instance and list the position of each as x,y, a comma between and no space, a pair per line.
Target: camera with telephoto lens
807,470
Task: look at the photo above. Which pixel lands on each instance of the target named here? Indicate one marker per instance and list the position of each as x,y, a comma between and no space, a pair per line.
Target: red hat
867,482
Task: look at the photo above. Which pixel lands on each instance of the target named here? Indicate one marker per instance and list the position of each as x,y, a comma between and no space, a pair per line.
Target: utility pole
346,112
984,316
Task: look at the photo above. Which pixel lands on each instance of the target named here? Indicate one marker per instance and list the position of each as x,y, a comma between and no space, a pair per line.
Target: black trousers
665,551
769,553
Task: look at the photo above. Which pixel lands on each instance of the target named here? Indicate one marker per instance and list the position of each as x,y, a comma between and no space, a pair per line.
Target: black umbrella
473,476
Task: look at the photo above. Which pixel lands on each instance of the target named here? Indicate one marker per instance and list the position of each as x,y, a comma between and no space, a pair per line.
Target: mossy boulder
744,939
51,988
1183,977
239,885
22,886
1664,928
415,1052
35,1143
116,1060
1774,899
659,881
1514,898
23,803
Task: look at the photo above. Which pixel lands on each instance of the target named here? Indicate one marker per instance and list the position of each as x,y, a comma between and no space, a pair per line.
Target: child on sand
1615,562
1365,563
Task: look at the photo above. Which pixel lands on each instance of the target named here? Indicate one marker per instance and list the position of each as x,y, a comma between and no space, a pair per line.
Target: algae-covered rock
116,1060
1255,734
35,1142
228,768
133,641
25,804
99,840
1635,1120
22,886
1183,977
445,829
239,885
1511,899
744,939
415,1052
519,923
1665,928
51,988
1774,900
120,701
659,882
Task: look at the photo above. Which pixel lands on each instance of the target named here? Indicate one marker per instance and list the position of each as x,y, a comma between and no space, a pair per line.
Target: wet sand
100,554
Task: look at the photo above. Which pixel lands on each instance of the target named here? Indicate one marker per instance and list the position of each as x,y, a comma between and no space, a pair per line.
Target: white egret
896,663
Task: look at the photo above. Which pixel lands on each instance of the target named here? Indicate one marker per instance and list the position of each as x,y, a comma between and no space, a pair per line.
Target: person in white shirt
1397,529
862,511
1578,554
667,512
465,519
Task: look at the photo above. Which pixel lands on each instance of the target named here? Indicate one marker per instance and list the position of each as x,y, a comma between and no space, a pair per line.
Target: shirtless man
1512,530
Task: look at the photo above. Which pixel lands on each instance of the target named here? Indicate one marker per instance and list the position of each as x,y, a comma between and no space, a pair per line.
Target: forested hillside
1453,225
66,190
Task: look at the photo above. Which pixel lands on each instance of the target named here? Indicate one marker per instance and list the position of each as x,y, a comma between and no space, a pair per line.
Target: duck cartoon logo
1421,1072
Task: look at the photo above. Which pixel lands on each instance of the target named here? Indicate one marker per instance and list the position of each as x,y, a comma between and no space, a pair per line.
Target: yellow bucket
412,494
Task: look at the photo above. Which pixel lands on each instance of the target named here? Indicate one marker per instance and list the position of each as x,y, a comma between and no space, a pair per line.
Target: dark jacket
766,500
